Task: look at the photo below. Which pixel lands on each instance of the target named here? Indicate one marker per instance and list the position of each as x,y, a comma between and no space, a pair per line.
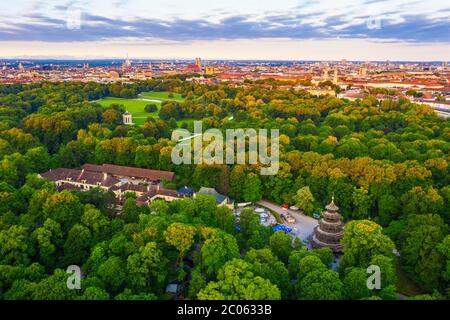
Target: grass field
162,96
136,106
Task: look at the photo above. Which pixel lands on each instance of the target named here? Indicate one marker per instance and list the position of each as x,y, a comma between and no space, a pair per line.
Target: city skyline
262,30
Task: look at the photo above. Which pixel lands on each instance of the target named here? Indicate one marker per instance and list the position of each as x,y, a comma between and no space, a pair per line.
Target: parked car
294,208
316,215
290,219
285,206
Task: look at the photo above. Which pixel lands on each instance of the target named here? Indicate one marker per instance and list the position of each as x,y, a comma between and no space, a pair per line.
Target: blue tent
281,227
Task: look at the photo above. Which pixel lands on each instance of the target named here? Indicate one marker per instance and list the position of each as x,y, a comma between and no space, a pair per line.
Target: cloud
359,20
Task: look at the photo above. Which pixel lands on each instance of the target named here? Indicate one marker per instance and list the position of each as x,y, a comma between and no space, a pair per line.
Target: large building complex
145,183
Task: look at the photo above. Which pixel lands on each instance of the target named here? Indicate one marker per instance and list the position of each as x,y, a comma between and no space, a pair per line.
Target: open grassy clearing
162,96
137,106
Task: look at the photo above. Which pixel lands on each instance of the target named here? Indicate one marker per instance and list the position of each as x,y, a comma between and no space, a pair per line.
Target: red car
285,206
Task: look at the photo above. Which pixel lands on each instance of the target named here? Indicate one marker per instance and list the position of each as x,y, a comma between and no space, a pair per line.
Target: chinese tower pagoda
330,229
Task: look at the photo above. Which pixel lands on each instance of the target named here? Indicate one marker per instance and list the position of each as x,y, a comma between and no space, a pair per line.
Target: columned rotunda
127,118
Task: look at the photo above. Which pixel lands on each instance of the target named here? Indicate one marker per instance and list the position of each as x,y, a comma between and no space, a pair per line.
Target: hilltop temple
330,229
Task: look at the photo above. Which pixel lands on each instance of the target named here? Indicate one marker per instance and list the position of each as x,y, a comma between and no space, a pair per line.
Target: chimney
148,188
105,176
157,188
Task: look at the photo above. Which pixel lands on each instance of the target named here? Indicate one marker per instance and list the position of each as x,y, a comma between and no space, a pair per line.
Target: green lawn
136,106
162,96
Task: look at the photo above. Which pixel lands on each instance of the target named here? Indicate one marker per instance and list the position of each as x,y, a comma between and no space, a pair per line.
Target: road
305,225
442,114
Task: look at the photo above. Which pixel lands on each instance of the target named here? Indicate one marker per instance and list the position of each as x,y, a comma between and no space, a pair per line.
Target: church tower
330,229
198,62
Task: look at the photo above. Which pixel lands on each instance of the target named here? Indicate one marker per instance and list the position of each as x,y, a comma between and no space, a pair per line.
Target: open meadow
137,106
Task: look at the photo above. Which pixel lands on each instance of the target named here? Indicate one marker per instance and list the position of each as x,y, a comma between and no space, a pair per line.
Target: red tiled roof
73,175
145,198
192,67
130,187
163,192
131,172
92,167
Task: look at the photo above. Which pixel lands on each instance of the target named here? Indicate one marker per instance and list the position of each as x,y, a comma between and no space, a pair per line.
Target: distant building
193,68
114,75
198,62
126,65
211,70
320,92
127,118
325,74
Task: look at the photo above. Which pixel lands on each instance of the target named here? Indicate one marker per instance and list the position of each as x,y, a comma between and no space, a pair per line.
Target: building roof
172,288
332,206
212,192
186,191
130,187
131,172
80,176
163,192
192,67
146,197
92,167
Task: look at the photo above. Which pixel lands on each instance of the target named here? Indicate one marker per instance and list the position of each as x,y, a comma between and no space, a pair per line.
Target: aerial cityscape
427,83
159,156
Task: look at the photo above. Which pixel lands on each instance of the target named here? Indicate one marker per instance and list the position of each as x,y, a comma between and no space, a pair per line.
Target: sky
406,30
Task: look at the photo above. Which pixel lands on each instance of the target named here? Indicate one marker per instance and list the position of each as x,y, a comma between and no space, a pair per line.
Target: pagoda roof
332,206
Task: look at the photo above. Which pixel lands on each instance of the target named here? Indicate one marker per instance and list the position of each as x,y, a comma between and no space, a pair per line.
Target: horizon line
204,59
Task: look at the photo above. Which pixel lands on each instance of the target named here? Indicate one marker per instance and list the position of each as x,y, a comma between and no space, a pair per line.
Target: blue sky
227,29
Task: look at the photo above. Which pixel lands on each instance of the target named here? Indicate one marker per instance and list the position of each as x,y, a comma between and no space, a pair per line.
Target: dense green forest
385,162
